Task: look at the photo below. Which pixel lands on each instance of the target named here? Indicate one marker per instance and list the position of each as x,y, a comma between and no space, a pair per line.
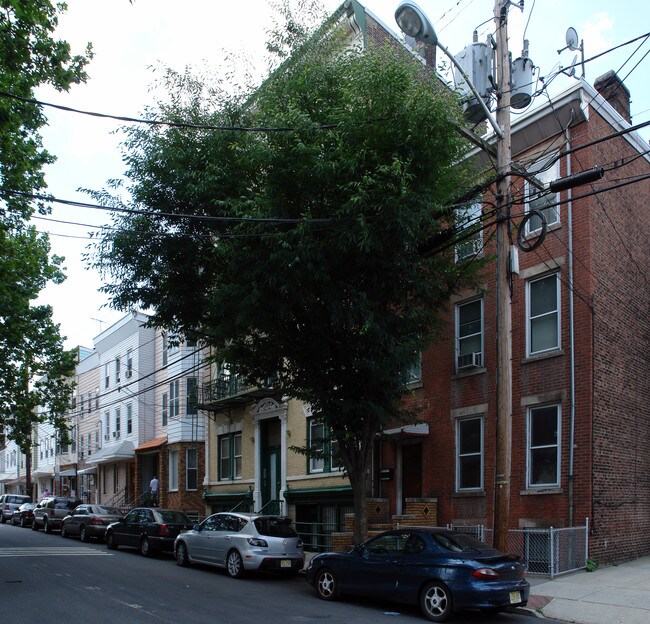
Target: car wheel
234,564
3,519
83,534
110,541
145,547
182,558
436,602
326,584
64,532
22,523
46,526
34,525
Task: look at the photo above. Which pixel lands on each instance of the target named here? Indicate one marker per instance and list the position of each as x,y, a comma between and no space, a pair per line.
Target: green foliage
30,343
296,252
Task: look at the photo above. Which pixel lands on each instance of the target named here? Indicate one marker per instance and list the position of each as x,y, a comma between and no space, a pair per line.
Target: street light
413,22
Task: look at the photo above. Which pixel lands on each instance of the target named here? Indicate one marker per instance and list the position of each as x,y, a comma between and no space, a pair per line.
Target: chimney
611,87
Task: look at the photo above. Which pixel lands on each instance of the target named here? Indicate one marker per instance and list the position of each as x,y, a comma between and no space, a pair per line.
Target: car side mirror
359,549
197,527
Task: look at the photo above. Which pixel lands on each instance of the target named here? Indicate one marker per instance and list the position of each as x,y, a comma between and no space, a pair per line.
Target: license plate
515,597
285,563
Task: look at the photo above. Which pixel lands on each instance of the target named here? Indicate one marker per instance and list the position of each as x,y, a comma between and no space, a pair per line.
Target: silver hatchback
242,542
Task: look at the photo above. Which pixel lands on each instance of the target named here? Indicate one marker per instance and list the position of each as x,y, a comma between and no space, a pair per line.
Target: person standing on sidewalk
154,486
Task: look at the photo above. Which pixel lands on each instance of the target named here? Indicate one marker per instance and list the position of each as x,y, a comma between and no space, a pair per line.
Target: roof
113,453
151,444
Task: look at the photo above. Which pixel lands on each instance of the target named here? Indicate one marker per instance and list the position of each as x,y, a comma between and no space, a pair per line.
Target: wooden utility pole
504,318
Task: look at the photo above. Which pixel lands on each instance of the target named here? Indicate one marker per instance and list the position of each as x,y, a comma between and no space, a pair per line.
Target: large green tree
295,249
31,347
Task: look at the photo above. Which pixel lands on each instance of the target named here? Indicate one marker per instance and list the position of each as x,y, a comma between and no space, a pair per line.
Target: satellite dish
572,41
572,71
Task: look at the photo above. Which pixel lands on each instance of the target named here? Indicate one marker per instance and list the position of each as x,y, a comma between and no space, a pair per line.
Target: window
469,454
323,455
469,335
117,369
96,398
173,471
116,478
174,399
543,465
191,469
129,364
165,409
129,418
116,432
97,446
107,376
414,371
545,171
89,444
163,338
107,426
469,224
81,404
90,402
543,311
230,457
191,399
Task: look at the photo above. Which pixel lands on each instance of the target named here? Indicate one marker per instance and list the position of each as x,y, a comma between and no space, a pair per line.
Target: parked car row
440,571
9,503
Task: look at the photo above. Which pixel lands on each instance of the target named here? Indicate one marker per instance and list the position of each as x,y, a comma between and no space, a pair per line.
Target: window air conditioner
470,360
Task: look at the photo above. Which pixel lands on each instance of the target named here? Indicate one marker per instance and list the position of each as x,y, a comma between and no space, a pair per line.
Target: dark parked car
149,530
241,542
441,571
89,521
24,515
9,503
49,513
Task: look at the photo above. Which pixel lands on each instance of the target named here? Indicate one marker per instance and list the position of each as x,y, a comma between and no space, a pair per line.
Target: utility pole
504,317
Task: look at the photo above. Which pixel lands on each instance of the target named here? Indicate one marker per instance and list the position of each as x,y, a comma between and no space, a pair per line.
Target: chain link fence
549,552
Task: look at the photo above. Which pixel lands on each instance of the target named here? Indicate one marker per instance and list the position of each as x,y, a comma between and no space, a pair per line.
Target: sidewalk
611,595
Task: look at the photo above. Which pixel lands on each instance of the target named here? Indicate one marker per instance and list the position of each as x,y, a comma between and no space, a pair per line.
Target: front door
411,472
270,461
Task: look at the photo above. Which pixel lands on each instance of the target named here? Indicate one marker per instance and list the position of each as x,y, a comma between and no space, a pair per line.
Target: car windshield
459,542
172,517
275,527
107,511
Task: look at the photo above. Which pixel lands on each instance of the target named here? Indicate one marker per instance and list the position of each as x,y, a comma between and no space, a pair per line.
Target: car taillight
96,521
260,543
163,530
486,573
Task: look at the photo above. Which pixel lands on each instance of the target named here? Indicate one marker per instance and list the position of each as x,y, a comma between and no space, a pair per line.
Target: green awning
225,496
319,495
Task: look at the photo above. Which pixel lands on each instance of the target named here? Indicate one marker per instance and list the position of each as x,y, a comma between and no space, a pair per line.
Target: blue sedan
441,571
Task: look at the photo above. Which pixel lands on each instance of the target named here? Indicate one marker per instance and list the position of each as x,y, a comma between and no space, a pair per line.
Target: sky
133,41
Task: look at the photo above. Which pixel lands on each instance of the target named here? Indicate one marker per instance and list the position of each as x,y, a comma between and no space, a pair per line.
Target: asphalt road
45,578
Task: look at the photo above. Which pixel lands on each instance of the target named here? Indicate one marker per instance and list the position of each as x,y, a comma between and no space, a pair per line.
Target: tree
296,252
31,346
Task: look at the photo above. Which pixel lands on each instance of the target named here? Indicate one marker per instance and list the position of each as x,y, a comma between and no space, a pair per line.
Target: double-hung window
543,314
470,234
543,453
323,449
165,409
469,335
230,456
191,396
117,369
173,471
191,469
129,418
469,453
174,399
545,170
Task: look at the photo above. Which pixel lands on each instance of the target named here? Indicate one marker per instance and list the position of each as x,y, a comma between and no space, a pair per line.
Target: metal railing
229,386
273,508
317,536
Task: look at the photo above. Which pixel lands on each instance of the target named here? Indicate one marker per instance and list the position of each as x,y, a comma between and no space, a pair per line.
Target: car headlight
260,543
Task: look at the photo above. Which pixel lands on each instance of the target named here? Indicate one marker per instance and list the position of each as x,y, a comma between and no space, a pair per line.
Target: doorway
410,477
270,461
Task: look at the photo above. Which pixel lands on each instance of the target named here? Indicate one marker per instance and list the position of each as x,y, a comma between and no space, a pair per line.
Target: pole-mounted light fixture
413,22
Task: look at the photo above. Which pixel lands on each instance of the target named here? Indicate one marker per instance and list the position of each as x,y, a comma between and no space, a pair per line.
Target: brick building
580,343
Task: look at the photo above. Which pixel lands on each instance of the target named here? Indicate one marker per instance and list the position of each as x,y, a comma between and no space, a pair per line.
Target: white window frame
165,409
530,320
460,455
328,448
173,471
191,469
174,398
530,448
229,442
129,418
460,338
544,175
467,218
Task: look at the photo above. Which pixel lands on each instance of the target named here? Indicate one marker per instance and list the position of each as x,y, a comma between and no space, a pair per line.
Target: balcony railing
232,389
